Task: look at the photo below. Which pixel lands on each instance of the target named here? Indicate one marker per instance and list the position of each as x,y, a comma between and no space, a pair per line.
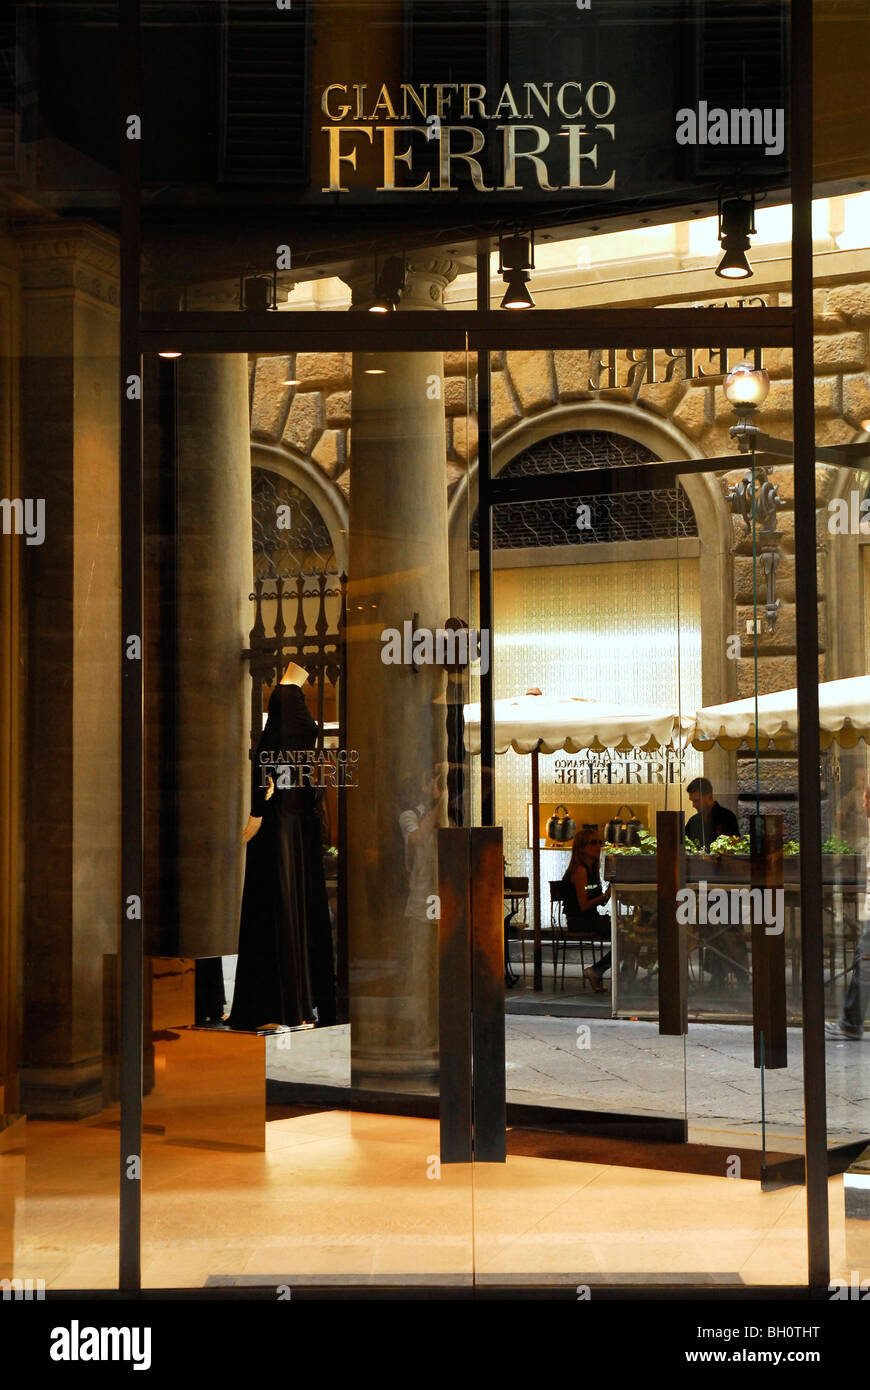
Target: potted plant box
630,868
727,868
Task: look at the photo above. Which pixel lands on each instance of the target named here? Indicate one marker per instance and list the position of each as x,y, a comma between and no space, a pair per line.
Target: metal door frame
480,331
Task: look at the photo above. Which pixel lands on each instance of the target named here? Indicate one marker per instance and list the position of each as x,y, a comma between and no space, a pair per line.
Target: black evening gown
285,965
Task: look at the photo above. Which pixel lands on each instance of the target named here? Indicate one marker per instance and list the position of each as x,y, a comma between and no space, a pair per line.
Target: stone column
72,649
215,577
398,568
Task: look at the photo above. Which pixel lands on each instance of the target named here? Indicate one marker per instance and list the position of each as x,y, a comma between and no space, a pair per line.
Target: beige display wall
618,631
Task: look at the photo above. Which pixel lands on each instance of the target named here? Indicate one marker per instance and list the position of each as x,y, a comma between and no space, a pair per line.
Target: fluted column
398,567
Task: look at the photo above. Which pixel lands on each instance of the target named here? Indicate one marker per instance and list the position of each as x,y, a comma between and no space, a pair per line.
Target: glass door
650,1134
301,653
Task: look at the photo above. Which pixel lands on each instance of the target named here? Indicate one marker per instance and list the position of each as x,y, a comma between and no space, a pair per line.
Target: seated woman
583,897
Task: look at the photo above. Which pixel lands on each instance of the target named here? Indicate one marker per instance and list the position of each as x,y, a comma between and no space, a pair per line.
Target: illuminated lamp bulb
746,386
516,295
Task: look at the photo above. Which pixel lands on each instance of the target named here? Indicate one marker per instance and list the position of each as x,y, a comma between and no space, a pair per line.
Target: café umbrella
844,718
535,723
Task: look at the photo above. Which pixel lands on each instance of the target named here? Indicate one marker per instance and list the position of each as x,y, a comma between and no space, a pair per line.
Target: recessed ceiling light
291,382
375,371
169,354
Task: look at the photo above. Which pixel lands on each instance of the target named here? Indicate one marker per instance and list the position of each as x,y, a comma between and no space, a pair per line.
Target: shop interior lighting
389,286
259,292
736,226
169,354
516,258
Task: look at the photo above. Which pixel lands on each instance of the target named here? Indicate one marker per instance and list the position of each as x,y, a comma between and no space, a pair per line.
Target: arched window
290,535
651,514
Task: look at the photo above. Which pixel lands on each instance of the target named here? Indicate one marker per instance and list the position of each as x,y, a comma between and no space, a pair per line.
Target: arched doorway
596,596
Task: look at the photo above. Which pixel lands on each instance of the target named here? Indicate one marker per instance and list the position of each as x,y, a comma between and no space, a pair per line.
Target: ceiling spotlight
516,257
375,371
169,354
389,286
736,225
516,296
292,381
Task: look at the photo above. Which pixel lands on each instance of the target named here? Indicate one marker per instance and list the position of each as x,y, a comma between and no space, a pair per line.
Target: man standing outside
710,819
725,946
850,1025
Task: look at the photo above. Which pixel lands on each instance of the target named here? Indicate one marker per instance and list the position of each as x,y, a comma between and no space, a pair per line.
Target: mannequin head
294,674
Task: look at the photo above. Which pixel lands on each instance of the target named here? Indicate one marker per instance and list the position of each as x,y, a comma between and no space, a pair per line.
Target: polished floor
356,1198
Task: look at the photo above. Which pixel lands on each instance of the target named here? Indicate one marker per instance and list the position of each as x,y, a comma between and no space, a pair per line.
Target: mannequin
284,972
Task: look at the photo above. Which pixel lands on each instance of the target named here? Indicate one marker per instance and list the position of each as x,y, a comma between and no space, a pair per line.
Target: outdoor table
636,885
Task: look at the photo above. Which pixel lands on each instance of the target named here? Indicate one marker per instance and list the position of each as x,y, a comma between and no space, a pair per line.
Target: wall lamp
516,258
736,225
389,285
755,498
746,387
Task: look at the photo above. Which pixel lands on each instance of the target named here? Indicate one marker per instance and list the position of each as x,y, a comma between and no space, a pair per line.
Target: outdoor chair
563,938
549,936
518,884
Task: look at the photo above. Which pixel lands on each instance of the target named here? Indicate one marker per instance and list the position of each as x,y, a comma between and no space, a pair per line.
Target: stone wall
313,420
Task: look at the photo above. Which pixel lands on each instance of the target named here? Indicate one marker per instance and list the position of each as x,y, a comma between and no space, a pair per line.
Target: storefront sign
400,121
308,767
614,768
637,367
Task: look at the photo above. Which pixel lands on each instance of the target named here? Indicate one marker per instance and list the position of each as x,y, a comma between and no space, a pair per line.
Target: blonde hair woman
583,897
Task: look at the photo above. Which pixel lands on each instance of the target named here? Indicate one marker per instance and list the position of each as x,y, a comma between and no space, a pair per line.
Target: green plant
834,846
730,844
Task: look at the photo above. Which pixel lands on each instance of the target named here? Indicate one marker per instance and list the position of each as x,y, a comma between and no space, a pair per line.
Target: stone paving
621,1065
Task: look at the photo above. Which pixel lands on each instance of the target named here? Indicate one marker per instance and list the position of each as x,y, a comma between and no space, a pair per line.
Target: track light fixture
736,225
516,258
389,285
258,292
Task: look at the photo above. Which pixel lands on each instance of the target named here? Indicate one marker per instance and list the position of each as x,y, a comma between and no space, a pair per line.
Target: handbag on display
623,830
561,828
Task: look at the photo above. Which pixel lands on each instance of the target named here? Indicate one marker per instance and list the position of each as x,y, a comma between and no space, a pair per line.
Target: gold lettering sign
391,119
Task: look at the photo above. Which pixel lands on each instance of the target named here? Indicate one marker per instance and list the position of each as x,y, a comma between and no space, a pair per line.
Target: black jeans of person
858,991
575,926
726,950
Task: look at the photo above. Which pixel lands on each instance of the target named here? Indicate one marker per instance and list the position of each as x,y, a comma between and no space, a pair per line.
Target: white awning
573,724
844,718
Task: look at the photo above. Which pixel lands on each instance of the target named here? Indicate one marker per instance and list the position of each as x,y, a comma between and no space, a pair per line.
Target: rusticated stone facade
311,421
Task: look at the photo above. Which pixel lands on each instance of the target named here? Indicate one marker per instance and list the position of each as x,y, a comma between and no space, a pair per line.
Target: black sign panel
427,113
